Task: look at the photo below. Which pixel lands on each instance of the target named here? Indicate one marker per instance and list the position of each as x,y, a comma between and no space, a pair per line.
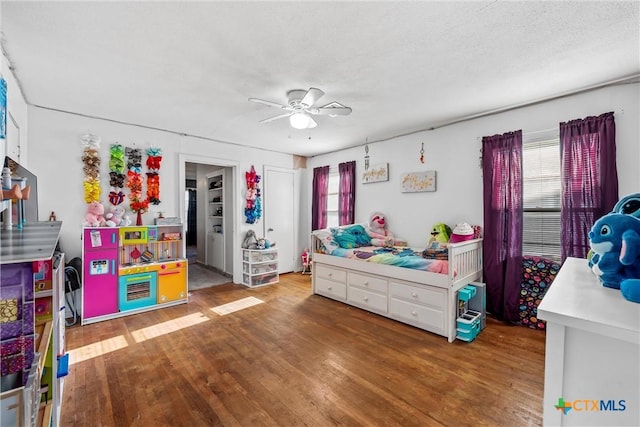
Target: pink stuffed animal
378,232
95,215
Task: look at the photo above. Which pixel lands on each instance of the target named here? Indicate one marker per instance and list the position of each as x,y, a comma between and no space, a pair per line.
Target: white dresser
592,359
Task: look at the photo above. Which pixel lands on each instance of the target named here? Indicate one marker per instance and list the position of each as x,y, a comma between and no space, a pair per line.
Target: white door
279,214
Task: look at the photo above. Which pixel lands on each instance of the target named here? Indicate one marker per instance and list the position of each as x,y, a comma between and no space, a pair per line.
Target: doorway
191,213
194,204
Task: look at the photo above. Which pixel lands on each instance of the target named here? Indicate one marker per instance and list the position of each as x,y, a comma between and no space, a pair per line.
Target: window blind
541,198
332,199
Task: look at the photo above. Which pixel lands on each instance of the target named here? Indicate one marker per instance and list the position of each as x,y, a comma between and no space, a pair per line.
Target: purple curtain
502,187
347,193
319,201
589,178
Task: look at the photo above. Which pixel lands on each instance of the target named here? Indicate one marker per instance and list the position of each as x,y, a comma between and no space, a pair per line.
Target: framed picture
376,173
414,182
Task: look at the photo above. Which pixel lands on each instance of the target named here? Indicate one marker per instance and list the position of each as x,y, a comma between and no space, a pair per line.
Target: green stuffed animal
440,233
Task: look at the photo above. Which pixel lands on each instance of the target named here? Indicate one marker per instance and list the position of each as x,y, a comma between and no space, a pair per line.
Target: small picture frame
376,173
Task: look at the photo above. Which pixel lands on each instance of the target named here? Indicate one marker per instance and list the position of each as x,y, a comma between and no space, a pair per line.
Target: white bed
419,298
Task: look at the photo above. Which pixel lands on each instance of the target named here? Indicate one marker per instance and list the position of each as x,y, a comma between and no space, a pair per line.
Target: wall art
376,173
414,182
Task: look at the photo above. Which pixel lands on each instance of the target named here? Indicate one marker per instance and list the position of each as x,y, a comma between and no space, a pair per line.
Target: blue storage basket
466,293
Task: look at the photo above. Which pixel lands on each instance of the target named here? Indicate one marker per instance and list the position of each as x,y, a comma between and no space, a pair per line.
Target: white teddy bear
117,217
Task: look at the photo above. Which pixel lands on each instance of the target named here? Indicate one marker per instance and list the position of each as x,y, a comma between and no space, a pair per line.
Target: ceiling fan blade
312,123
280,116
312,96
269,103
331,111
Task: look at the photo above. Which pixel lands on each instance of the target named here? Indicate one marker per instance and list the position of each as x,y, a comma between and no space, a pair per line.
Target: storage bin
468,325
466,293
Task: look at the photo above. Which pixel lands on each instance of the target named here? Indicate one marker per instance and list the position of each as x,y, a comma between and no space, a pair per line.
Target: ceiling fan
300,108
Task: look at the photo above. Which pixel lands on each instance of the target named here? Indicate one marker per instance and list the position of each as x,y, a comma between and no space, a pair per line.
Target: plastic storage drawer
468,325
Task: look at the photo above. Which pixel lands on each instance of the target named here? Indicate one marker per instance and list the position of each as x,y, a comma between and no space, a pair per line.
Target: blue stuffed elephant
615,243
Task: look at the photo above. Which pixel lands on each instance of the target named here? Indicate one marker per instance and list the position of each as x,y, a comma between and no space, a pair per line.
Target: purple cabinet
100,275
16,322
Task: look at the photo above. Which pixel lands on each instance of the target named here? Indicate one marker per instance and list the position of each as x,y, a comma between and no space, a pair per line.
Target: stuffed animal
461,232
439,233
95,215
615,247
378,232
250,240
126,221
114,217
352,236
629,205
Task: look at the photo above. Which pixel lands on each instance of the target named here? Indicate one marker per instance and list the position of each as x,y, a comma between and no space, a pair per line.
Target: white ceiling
190,67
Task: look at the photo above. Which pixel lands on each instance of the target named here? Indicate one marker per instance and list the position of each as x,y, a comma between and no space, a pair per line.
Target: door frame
296,211
214,161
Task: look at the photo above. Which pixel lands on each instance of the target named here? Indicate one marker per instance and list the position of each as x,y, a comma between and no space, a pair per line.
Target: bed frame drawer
429,318
368,282
331,289
332,274
372,301
428,296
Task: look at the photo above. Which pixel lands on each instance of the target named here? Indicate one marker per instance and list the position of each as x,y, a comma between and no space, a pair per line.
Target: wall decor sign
414,182
376,173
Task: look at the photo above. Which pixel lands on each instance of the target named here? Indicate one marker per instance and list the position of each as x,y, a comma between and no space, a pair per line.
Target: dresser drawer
418,295
418,315
368,300
323,272
330,288
368,282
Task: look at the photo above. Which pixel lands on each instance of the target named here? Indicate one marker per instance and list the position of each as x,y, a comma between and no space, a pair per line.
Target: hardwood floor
296,359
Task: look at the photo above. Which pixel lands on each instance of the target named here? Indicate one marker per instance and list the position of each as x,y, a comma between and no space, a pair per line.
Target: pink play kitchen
128,270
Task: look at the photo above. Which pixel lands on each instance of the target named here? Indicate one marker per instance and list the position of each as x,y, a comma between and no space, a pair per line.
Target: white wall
55,157
56,151
16,110
454,151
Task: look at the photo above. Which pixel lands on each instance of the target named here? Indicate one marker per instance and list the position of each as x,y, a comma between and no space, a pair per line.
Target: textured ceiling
190,67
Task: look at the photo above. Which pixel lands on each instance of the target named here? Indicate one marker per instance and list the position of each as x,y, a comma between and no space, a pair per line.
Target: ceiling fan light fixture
301,108
301,121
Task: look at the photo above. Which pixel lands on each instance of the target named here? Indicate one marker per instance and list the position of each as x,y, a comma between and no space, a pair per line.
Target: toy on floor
378,232
306,262
615,248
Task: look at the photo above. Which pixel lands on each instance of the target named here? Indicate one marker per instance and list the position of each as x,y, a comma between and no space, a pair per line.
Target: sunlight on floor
168,327
236,305
97,349
116,343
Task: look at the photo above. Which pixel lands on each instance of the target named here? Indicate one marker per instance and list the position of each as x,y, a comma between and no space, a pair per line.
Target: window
541,198
332,199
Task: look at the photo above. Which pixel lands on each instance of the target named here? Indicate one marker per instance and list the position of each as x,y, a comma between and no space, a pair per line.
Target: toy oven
137,290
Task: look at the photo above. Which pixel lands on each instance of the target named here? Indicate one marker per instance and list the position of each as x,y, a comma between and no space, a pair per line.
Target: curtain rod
524,134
